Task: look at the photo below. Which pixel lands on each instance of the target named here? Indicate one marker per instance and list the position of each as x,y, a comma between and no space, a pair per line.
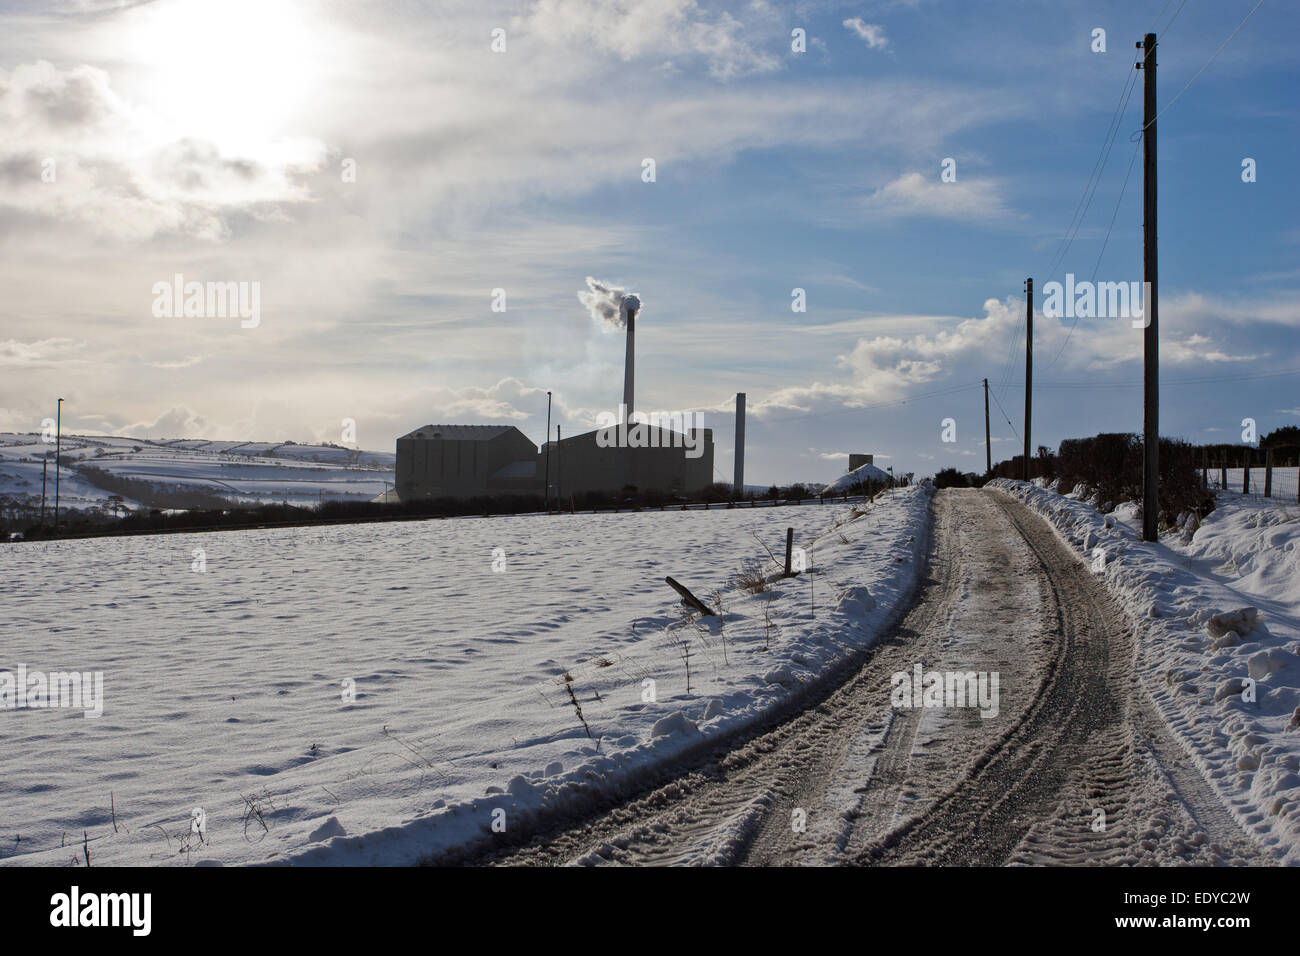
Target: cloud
177,422
72,150
42,352
915,195
634,30
869,33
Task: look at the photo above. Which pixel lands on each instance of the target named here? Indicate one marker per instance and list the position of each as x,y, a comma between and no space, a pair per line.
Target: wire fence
1259,481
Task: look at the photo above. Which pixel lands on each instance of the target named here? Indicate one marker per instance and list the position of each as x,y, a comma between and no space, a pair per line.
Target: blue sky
208,139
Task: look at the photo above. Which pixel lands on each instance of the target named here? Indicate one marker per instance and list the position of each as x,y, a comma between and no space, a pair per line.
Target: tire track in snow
1023,792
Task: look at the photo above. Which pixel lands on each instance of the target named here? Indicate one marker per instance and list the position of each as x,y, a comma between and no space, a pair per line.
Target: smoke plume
609,304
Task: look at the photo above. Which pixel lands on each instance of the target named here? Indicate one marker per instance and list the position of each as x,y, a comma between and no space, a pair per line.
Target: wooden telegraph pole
1151,340
1029,366
988,449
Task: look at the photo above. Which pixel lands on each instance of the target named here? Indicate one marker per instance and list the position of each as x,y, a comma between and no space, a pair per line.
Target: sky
418,193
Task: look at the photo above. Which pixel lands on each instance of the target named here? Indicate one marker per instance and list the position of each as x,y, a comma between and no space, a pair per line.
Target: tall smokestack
629,363
740,445
616,308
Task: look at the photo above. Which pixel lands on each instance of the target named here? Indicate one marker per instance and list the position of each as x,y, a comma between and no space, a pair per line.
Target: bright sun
235,72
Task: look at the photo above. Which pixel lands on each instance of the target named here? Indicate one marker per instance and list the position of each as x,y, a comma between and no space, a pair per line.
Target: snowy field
1217,612
243,472
382,693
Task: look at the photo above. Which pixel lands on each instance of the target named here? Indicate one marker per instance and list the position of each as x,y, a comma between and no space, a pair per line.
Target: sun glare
234,72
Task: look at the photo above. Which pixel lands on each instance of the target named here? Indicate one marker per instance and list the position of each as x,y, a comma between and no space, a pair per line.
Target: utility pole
1029,366
988,449
738,484
559,475
1151,336
546,488
58,439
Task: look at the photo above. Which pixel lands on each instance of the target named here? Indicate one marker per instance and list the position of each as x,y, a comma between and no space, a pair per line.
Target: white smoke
609,304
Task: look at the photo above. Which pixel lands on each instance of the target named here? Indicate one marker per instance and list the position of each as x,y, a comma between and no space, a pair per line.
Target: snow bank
481,700
1214,610
862,473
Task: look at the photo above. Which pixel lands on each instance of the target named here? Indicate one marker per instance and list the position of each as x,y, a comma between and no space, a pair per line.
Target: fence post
1268,472
1223,474
789,549
1245,474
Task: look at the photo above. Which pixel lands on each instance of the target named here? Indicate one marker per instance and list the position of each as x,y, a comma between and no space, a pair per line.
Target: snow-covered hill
241,472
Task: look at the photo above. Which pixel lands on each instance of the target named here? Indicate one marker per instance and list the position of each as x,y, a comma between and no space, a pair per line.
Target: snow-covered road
1072,764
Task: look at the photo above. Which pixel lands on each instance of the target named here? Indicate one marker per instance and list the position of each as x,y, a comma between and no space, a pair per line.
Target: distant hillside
115,472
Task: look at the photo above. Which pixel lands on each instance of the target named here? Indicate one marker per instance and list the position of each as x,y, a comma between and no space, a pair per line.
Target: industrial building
460,461
580,464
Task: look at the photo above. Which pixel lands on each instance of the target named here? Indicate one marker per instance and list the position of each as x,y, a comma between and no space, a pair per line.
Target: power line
1105,242
1082,206
1165,31
1203,67
1008,421
1165,381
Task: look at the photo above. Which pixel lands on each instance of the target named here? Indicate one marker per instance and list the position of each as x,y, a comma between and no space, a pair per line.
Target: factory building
580,464
459,461
462,461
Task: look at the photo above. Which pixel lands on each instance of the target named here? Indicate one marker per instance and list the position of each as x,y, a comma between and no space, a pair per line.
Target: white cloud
632,30
913,194
73,150
42,352
870,33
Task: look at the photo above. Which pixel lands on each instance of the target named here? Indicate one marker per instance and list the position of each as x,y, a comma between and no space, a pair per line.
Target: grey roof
460,432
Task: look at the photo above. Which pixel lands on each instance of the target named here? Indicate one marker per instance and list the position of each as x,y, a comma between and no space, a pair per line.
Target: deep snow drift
382,693
1215,612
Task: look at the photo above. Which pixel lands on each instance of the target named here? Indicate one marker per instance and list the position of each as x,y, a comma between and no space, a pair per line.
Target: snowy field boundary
1207,640
222,687
871,577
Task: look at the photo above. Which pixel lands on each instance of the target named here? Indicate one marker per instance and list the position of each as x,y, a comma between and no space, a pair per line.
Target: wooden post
1245,474
1150,278
1029,367
988,449
1268,472
789,550
689,599
1223,474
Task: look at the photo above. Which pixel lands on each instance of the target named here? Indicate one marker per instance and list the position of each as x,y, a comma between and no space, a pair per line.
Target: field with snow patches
1196,652
225,689
242,472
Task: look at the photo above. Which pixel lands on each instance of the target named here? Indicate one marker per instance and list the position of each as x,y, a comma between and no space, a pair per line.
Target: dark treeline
1110,466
